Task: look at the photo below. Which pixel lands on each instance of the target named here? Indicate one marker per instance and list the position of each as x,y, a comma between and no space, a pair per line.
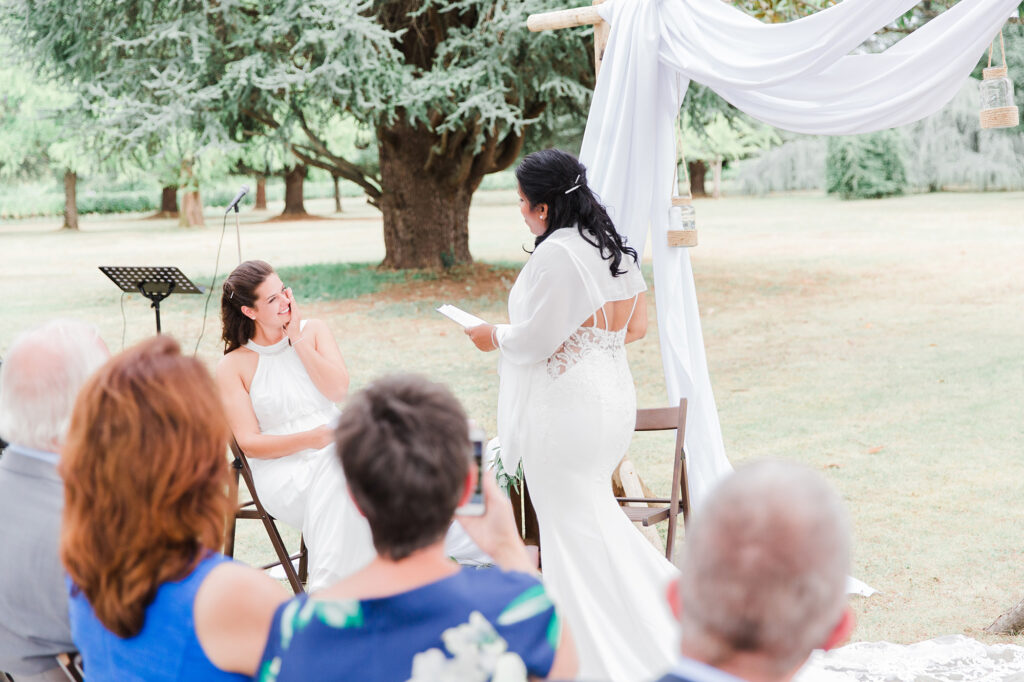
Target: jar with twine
997,107
682,218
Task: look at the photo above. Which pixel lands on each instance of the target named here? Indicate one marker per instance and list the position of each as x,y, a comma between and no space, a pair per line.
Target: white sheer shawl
560,287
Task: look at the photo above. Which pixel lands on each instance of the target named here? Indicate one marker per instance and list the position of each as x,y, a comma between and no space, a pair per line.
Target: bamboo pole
601,30
563,18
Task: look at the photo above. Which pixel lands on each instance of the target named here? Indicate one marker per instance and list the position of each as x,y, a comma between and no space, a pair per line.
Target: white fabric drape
798,76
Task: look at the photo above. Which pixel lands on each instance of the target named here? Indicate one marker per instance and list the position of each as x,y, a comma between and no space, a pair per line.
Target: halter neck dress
307,489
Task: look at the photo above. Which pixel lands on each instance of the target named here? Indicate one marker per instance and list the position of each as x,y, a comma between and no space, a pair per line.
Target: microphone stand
238,235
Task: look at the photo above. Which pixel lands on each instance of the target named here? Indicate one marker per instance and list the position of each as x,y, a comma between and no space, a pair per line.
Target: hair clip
231,295
574,187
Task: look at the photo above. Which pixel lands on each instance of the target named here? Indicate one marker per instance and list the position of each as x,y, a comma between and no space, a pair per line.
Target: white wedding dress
953,658
307,489
571,426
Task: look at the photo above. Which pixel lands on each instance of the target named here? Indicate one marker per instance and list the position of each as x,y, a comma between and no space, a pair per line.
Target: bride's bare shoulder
239,362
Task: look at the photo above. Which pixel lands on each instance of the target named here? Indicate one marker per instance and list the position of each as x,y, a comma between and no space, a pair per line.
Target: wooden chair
254,510
659,509
71,665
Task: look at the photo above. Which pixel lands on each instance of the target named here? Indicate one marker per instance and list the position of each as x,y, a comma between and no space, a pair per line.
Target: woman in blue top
147,493
413,614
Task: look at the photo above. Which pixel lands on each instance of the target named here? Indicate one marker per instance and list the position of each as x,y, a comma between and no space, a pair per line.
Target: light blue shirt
33,600
689,669
39,455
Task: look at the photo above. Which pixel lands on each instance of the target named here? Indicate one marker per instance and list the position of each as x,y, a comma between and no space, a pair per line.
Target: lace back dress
567,408
604,575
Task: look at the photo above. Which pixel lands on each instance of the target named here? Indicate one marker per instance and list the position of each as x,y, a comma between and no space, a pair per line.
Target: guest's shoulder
495,576
506,589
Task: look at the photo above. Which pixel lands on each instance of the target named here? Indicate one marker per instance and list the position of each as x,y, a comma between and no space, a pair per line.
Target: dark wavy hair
239,290
546,177
147,488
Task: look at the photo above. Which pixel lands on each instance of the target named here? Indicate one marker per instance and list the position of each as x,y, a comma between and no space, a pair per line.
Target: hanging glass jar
997,107
682,222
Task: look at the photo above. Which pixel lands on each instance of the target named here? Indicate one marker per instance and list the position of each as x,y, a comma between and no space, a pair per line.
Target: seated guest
413,614
148,490
38,383
763,577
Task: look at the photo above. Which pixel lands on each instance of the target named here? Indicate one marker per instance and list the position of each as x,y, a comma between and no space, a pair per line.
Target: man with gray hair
39,381
763,577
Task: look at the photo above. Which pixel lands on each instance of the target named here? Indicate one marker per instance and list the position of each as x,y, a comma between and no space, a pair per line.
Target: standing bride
567,407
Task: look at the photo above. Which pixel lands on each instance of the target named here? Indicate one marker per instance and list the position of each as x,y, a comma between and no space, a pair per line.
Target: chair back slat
657,419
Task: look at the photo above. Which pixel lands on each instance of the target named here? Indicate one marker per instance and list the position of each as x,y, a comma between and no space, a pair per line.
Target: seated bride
279,380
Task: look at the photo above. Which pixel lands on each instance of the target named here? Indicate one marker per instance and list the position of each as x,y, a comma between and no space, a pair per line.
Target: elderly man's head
40,378
764,573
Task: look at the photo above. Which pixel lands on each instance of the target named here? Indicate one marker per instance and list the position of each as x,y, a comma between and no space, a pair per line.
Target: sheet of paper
459,316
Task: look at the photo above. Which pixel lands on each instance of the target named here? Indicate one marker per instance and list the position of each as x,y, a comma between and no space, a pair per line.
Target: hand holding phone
476,504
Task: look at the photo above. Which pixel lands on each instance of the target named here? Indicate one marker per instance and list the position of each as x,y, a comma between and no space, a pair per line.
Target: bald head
765,567
40,378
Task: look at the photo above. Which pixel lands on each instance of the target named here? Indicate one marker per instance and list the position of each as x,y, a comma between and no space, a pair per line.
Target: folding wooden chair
254,510
71,665
659,508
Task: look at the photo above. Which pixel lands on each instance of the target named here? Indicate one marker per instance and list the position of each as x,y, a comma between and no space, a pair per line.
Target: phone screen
475,504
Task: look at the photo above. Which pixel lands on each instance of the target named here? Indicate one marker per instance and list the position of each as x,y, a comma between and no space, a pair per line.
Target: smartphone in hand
475,506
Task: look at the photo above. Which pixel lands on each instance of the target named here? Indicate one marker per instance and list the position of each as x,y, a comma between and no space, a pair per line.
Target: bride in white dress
567,407
279,379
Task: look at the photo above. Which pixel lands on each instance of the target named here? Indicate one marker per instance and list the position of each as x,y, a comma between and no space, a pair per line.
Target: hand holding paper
459,316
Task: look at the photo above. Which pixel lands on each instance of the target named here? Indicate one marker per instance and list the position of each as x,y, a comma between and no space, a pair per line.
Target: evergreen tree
43,134
448,87
867,166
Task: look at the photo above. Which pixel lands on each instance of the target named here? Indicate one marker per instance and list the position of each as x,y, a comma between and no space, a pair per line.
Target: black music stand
155,283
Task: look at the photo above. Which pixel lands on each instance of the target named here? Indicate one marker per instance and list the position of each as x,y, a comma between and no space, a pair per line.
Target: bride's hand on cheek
293,328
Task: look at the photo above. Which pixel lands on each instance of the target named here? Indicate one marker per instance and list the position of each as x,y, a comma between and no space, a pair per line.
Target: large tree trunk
337,195
70,201
696,170
261,193
169,202
191,210
426,209
293,181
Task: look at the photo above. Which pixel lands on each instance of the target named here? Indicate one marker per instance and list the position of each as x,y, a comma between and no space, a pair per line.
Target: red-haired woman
147,495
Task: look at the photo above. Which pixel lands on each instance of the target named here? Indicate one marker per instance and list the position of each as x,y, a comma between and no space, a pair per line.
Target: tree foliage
867,166
463,78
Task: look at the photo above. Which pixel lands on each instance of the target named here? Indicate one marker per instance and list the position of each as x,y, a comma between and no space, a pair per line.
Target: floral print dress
476,625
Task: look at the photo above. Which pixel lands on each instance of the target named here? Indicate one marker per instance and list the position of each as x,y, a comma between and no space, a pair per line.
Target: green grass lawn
880,342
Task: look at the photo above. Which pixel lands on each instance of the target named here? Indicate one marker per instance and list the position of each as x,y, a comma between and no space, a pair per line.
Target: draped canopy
799,76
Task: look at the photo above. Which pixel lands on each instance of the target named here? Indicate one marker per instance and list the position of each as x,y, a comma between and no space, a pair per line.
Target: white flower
477,653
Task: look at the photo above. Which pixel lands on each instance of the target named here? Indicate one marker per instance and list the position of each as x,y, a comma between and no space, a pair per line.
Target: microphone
238,197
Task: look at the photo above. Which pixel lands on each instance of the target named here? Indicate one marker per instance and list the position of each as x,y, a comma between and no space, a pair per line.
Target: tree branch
335,165
346,170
